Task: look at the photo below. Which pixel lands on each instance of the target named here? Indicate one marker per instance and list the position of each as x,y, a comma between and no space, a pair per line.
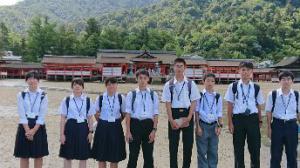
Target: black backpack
235,90
172,85
43,95
134,96
217,97
120,102
274,96
88,104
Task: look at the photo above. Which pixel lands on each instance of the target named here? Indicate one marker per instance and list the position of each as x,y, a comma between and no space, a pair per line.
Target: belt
180,109
284,121
243,114
141,120
213,123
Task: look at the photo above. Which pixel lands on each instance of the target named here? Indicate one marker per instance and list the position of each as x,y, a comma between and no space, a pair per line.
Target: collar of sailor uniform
82,96
38,90
280,92
204,91
185,79
138,90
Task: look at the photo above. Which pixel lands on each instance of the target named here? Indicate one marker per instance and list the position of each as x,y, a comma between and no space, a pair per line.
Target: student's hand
151,137
199,131
62,139
30,134
260,124
231,127
269,132
128,137
90,137
174,125
185,122
218,130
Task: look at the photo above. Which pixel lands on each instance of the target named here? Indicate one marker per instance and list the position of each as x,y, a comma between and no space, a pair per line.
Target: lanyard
78,110
32,104
210,107
178,94
111,106
286,105
245,97
144,100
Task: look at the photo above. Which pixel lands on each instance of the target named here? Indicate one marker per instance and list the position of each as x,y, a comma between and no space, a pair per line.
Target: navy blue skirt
76,145
31,149
109,142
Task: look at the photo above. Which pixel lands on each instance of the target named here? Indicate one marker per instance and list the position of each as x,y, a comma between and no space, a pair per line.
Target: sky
8,2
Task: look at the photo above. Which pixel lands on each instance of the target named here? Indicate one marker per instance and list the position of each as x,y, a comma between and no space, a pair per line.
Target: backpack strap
297,100
256,91
23,94
235,90
120,103
100,102
274,95
67,104
171,88
152,95
88,105
217,98
189,88
133,99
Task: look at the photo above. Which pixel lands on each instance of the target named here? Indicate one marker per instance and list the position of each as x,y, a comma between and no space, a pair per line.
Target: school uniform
246,121
284,128
142,112
32,108
180,96
209,109
109,140
76,130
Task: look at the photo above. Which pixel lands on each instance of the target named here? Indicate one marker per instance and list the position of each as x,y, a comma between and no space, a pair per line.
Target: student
76,126
142,106
208,123
31,139
180,95
109,141
244,100
282,109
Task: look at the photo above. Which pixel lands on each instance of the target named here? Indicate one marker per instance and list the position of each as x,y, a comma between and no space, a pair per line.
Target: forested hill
259,29
263,29
75,12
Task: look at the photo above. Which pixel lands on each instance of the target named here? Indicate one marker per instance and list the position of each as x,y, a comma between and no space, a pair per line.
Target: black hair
246,64
111,80
286,74
32,74
77,81
212,75
142,72
180,60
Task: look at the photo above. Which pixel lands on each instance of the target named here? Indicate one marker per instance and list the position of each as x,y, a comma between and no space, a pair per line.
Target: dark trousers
187,139
140,130
246,127
284,134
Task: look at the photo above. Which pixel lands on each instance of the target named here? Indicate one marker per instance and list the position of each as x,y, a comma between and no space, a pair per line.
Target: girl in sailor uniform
76,127
109,140
31,138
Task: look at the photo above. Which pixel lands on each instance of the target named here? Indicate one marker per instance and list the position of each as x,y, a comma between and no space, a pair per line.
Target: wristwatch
91,131
154,129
